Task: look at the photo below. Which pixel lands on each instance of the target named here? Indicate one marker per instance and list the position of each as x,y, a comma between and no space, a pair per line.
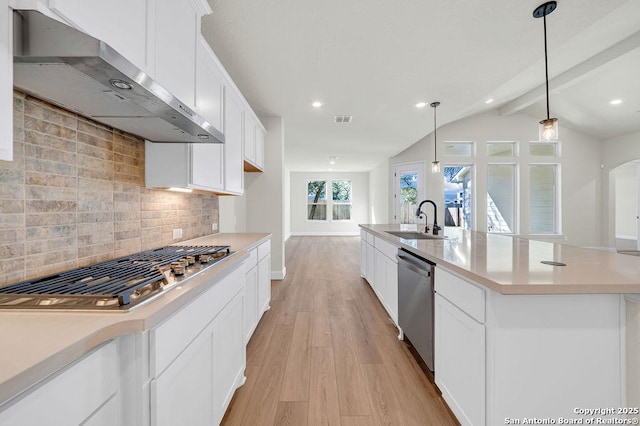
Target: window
543,202
501,149
538,149
459,149
318,205
317,200
341,198
501,198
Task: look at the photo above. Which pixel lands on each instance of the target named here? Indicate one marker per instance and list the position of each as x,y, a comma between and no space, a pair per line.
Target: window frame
329,202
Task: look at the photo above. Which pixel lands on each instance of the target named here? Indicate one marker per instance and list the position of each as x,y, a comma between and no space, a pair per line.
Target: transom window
322,208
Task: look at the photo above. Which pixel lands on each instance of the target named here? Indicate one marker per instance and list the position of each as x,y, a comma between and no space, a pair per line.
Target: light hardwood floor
326,353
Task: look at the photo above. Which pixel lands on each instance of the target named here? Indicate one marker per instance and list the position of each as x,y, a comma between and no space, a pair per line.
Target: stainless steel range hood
67,67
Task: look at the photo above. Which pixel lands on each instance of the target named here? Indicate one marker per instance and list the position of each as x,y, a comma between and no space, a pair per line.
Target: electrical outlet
177,233
214,227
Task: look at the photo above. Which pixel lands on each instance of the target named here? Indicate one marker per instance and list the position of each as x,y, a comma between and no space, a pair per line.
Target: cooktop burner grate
109,284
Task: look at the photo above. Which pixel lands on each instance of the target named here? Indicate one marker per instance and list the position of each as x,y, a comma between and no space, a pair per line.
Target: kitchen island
517,339
117,363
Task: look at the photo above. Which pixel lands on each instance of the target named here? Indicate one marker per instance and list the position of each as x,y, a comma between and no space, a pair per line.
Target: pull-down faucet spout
419,212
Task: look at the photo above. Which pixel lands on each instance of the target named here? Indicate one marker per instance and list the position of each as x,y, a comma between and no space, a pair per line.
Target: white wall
359,208
232,214
581,192
264,195
379,189
626,207
287,204
615,152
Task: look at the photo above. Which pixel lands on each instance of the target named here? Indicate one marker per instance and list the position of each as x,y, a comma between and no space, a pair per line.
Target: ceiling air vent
342,118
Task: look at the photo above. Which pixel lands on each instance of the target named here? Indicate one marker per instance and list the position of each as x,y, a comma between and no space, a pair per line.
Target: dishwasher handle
411,266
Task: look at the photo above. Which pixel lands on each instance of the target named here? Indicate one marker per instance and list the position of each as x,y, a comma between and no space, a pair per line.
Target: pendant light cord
435,135
546,66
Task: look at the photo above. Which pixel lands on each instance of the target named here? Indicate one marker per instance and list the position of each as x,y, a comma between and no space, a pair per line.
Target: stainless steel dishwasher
415,303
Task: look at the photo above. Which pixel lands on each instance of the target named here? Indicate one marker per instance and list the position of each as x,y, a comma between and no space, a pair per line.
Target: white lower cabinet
379,267
183,393
460,362
198,356
264,284
500,357
84,392
251,302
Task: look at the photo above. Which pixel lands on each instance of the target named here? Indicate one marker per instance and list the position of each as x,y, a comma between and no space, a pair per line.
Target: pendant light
435,165
548,130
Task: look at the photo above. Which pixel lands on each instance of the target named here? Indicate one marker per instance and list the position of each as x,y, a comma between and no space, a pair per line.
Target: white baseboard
626,237
326,234
279,275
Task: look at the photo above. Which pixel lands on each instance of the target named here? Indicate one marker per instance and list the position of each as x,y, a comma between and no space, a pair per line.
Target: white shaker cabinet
251,298
233,126
264,277
460,362
210,85
254,136
6,89
197,356
386,277
84,392
176,29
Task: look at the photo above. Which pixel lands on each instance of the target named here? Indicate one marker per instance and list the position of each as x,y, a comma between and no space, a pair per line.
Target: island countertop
37,343
512,265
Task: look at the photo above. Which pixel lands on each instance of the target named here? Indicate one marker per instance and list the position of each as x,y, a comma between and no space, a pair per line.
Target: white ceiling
376,59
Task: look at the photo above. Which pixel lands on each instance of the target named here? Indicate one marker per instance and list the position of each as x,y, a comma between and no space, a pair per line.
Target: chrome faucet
420,213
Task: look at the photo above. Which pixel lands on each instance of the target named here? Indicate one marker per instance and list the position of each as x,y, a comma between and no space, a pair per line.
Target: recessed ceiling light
316,104
330,169
488,101
421,104
332,160
616,102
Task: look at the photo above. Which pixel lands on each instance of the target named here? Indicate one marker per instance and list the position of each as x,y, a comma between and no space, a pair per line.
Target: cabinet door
264,284
183,394
209,85
249,138
251,303
228,355
233,145
371,261
460,362
207,166
260,148
176,26
363,258
380,276
119,23
6,89
391,288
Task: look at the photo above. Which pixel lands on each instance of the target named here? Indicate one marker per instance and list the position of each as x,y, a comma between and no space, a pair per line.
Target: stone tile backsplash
75,195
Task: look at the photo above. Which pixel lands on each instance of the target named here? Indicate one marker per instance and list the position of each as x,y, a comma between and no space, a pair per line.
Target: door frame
419,167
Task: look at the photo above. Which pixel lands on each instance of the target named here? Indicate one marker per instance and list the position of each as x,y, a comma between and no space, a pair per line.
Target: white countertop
511,265
38,343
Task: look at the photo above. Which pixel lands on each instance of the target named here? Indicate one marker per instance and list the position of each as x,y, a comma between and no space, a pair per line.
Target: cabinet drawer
264,249
370,238
253,259
176,332
70,396
469,297
386,248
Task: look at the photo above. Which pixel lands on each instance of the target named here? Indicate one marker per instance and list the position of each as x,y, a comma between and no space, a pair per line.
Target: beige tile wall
75,195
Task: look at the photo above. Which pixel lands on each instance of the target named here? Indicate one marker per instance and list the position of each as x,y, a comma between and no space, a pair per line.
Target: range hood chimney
69,68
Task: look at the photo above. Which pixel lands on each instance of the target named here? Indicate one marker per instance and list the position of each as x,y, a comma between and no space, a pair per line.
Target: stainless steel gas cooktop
116,285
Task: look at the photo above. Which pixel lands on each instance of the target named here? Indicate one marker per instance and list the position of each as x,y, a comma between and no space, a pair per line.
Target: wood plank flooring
327,353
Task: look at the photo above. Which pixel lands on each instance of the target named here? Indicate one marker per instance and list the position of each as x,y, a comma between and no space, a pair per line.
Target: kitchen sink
414,235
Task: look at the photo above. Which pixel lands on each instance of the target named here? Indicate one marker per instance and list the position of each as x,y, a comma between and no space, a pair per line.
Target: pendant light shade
435,165
548,129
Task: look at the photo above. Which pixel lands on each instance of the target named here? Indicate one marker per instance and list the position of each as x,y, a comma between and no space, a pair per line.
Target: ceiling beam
572,75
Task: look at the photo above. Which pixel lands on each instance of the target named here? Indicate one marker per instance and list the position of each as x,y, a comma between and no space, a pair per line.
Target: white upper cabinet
176,30
6,89
119,23
209,85
233,116
253,144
